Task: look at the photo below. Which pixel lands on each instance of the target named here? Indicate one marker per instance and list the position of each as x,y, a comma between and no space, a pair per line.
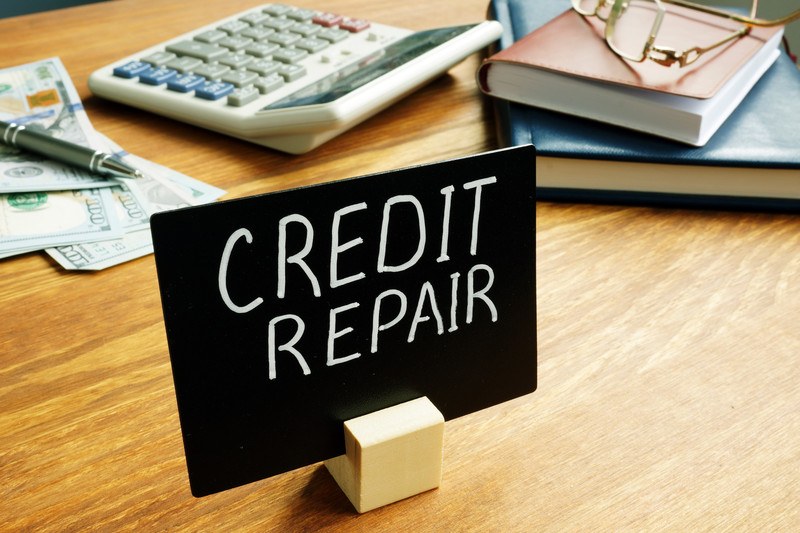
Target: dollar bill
47,205
41,96
131,208
45,219
104,254
164,188
160,189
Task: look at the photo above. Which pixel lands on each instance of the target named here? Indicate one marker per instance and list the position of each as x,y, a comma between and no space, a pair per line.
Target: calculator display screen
348,80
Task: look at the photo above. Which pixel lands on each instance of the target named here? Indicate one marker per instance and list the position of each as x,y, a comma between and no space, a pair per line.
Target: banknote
82,220
160,189
37,174
103,254
41,96
45,219
163,187
131,208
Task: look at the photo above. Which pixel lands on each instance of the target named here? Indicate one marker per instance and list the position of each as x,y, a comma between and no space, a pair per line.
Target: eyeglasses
632,27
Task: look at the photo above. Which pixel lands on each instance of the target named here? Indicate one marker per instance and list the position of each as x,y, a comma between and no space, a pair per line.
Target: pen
19,136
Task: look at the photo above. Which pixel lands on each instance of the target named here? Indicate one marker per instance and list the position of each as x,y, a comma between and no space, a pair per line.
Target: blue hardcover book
751,163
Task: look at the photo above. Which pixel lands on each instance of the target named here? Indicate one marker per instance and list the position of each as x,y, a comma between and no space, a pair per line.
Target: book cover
574,46
752,162
566,66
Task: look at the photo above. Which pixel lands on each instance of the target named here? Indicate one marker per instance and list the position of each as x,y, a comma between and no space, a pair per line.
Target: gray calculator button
243,96
312,45
284,39
305,29
277,9
292,72
259,33
254,18
184,64
240,78
264,66
261,49
159,58
333,35
210,36
236,60
211,71
233,27
300,14
278,24
235,43
269,83
289,55
203,51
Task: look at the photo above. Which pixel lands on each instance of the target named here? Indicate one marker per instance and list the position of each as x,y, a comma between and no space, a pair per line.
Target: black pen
72,154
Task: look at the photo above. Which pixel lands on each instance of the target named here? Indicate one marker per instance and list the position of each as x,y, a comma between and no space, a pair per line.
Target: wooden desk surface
669,352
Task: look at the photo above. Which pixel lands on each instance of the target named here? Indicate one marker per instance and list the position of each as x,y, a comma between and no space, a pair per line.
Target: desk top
669,353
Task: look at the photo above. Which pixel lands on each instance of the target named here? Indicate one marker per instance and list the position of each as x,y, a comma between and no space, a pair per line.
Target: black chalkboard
289,313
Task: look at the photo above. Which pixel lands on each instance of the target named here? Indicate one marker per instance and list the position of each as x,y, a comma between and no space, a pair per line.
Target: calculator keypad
243,58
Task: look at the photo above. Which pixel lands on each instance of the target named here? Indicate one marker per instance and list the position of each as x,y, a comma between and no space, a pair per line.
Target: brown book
566,66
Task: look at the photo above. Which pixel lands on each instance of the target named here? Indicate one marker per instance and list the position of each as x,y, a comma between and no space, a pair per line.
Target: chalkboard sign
288,313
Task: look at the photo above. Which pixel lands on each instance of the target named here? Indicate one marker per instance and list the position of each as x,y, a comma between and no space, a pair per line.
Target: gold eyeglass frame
666,55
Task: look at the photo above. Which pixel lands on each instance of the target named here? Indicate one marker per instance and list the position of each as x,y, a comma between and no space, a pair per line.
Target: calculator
286,77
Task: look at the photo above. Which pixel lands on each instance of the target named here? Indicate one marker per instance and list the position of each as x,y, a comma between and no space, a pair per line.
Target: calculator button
354,25
269,83
305,29
254,19
333,35
233,27
277,9
211,71
131,69
157,75
214,90
278,24
259,33
312,45
159,58
184,64
327,19
236,60
292,72
261,49
301,14
210,36
264,66
289,55
235,43
284,39
239,78
243,96
184,83
203,51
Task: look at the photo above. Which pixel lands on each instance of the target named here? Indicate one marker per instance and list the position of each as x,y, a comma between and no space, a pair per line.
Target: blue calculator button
214,90
157,75
184,83
131,69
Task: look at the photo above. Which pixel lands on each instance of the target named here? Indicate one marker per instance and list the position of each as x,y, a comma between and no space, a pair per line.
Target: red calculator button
327,19
354,25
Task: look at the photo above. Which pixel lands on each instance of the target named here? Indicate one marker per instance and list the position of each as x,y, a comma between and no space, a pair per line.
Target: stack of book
719,133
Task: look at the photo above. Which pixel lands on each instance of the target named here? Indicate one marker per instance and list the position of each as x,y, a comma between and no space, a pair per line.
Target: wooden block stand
391,454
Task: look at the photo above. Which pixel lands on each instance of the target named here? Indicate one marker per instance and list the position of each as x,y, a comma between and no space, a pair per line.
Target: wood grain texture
669,352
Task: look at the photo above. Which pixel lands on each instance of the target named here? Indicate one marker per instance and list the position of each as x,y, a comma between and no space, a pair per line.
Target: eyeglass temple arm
666,56
751,20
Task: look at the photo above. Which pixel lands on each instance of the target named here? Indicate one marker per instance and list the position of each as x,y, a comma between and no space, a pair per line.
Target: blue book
751,163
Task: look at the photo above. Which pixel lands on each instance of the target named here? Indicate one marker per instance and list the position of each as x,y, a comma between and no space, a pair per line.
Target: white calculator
286,77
